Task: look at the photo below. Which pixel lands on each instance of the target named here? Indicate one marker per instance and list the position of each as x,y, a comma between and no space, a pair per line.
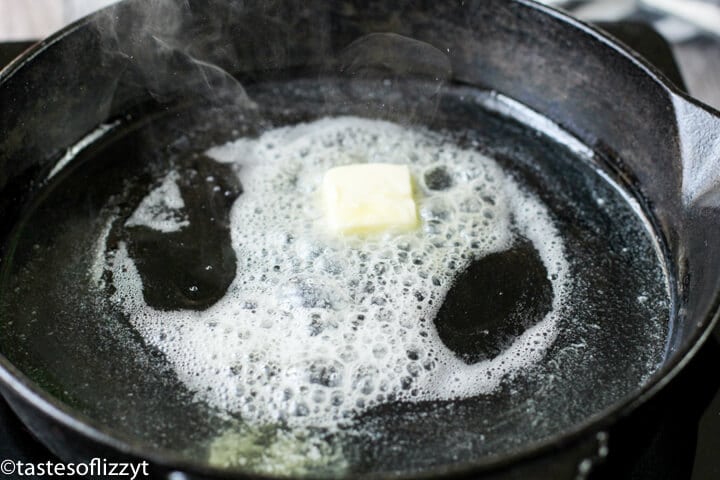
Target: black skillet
657,143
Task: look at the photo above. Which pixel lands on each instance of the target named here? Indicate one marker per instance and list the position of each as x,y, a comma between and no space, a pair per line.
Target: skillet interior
85,351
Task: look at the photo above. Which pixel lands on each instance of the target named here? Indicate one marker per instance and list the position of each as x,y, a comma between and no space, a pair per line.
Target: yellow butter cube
369,198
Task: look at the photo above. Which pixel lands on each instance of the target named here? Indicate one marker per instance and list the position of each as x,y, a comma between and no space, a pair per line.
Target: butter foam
317,328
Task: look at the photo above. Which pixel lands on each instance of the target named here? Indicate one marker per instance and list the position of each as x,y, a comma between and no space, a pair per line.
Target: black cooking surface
675,437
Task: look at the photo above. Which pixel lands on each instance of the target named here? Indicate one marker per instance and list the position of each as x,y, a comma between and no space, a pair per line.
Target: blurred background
691,26
33,19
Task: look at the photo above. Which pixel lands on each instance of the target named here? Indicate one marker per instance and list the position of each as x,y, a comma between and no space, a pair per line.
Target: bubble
438,178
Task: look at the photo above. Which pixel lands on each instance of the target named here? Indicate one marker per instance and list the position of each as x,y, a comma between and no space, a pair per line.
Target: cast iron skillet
661,145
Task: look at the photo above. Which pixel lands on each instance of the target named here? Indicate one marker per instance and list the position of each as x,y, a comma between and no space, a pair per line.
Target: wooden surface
34,19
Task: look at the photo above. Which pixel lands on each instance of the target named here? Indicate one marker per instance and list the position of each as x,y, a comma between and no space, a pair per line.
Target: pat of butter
369,198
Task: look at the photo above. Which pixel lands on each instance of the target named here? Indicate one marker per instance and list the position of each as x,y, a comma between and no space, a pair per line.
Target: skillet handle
698,124
699,142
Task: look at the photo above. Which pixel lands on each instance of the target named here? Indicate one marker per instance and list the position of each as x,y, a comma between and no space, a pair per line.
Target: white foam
162,208
315,328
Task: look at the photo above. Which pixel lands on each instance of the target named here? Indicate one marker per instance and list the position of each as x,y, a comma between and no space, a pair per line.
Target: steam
172,48
166,54
395,56
387,61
